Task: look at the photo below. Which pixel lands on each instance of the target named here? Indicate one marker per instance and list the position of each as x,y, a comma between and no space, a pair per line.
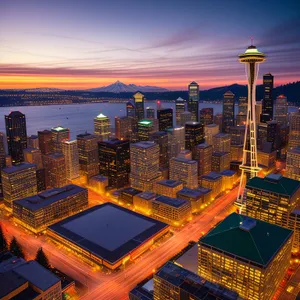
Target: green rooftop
247,238
275,183
145,122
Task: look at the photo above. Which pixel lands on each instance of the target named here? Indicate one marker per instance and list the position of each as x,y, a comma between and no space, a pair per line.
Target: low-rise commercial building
126,195
229,179
168,187
143,202
37,212
214,182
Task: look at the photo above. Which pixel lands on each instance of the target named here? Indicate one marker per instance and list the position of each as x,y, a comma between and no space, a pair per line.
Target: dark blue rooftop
227,173
18,168
175,202
48,197
191,193
169,182
211,176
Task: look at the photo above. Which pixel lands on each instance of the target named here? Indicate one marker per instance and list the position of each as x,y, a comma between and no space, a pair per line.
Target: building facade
70,152
59,135
102,127
228,111
193,101
194,135
165,119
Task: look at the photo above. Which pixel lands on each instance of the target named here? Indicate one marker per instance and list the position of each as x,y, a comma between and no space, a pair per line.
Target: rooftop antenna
251,41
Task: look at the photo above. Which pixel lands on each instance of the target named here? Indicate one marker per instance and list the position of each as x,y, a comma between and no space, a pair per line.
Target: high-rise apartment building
206,116
185,170
180,108
245,255
228,111
139,100
193,102
45,141
165,118
70,152
161,139
16,135
88,155
267,104
194,135
33,156
281,110
102,127
144,165
114,162
203,155
222,142
210,131
18,182
293,163
55,167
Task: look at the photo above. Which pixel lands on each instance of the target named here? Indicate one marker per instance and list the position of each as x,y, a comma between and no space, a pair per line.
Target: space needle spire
249,167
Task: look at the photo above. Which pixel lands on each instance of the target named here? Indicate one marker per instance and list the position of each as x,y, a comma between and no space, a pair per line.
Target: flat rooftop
130,191
147,195
253,236
203,145
228,173
108,231
18,168
211,176
184,160
48,197
194,284
203,190
222,135
175,202
189,193
220,153
144,145
169,183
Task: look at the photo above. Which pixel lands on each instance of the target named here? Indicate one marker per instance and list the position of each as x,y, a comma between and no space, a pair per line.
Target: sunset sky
78,44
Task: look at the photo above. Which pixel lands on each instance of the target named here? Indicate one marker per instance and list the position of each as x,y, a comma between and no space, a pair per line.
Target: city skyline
75,46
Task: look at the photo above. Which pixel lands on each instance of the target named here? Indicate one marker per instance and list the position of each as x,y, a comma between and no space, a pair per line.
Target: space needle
249,167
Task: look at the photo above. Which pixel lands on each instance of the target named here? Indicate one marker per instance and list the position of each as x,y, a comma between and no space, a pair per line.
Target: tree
42,259
3,241
15,248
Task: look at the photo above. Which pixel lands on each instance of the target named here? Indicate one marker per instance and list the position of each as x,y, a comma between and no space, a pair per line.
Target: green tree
3,241
42,259
15,248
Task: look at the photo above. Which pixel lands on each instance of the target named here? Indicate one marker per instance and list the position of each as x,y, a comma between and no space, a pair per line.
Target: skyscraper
146,128
123,128
165,118
193,102
16,135
114,162
281,110
294,138
206,116
150,113
139,100
222,142
18,182
252,57
2,157
144,165
242,112
194,135
55,167
203,155
161,138
293,163
130,109
88,155
102,127
33,156
70,152
59,135
180,108
33,141
267,104
228,111
45,141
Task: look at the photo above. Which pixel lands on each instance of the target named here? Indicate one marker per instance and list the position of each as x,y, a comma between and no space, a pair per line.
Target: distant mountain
120,87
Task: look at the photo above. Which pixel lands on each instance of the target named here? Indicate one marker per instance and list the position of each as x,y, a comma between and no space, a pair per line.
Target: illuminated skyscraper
16,135
59,135
293,163
150,113
161,138
165,118
2,157
144,165
267,104
294,138
242,112
70,152
88,155
251,58
18,181
281,110
139,100
193,102
33,156
45,141
180,108
206,116
55,167
123,128
218,119
194,135
228,111
221,142
185,117
114,162
130,109
33,141
146,128
203,155
102,127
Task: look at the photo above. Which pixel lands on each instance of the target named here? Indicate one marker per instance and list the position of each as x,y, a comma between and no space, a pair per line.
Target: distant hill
120,87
